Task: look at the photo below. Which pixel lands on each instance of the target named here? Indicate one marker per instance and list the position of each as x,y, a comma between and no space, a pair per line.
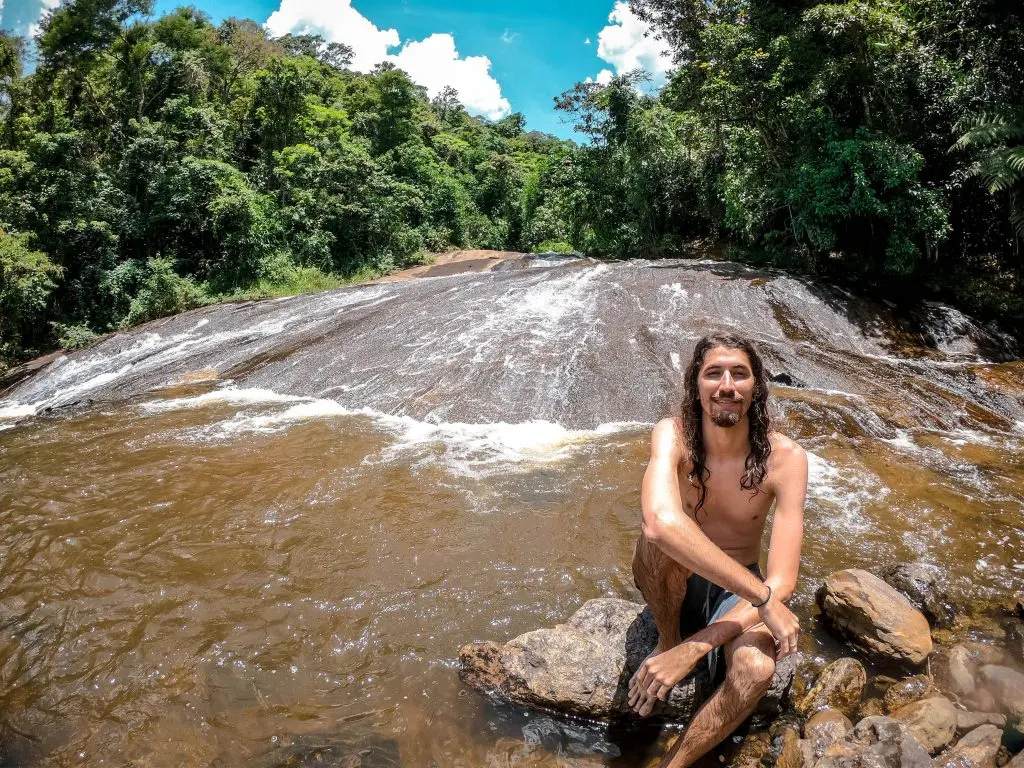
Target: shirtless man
711,482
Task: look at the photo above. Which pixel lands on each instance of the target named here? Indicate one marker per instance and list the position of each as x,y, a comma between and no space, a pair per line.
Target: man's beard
725,418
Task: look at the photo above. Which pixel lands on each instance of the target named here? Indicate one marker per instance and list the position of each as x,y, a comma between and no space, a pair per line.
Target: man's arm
671,530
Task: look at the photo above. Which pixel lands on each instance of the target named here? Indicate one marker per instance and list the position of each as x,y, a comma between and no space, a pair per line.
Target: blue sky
502,55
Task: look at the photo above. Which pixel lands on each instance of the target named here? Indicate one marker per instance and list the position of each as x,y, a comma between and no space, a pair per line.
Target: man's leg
750,665
662,582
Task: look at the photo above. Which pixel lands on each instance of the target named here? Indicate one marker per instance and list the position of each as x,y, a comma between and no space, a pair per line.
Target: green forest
152,165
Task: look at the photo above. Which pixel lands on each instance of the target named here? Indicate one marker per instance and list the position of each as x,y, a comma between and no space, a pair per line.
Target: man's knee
753,665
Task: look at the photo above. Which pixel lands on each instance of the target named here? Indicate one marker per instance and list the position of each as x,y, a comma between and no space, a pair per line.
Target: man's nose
727,382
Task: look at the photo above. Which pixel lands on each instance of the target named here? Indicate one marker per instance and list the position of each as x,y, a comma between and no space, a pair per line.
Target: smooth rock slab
876,742
581,667
875,617
975,750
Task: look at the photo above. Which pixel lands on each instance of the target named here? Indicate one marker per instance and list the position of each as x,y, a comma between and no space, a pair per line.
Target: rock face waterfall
258,532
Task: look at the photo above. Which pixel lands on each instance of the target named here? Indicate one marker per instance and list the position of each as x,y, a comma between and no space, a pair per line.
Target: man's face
726,385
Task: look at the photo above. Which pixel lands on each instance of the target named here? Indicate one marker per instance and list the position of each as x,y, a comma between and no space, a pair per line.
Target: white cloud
587,42
433,62
508,37
603,77
627,43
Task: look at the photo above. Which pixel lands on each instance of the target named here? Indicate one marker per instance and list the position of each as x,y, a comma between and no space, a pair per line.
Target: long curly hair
760,420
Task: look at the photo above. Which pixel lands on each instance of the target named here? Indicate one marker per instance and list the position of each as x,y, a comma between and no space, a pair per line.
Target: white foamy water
845,491
463,448
69,378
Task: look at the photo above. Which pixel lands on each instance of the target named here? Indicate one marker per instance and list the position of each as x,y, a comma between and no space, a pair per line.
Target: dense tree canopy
149,165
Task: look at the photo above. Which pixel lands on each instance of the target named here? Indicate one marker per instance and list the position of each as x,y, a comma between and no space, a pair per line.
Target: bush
164,293
26,280
71,337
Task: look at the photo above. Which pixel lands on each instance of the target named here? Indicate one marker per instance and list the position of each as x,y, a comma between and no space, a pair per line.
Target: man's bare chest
732,516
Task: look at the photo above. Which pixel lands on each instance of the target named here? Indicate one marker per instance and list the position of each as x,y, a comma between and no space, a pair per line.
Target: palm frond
986,129
1017,217
996,174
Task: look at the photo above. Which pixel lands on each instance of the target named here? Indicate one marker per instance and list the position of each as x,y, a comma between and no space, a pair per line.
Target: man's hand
658,675
783,625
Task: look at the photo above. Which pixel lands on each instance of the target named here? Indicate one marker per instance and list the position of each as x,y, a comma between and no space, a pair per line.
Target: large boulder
875,617
922,588
975,750
932,721
1007,686
582,667
839,686
876,742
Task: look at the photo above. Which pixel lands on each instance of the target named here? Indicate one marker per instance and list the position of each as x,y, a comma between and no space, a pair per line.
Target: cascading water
258,533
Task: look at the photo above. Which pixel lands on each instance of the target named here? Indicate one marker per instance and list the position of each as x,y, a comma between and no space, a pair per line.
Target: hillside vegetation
150,165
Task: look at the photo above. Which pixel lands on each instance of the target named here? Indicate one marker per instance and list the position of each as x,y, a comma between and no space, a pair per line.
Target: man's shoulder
785,449
668,437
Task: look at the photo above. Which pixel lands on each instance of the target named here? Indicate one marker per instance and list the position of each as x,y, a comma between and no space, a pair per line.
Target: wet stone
839,686
874,617
582,667
791,755
921,586
907,691
876,742
1007,686
978,749
932,721
968,721
954,671
825,728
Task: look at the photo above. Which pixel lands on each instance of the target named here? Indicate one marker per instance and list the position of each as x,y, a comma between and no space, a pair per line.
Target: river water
258,534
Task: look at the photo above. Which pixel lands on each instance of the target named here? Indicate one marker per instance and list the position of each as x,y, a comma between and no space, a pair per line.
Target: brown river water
258,534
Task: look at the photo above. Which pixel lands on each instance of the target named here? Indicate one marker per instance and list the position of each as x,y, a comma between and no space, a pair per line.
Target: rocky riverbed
922,685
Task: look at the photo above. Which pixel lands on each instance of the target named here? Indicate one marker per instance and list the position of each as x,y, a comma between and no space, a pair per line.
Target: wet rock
907,691
825,728
954,671
968,721
778,695
975,750
921,587
791,755
1007,686
839,686
753,749
985,653
1015,641
581,667
874,617
876,742
1018,606
981,700
870,708
932,720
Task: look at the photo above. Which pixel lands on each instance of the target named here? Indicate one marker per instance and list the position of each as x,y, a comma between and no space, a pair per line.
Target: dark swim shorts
703,605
